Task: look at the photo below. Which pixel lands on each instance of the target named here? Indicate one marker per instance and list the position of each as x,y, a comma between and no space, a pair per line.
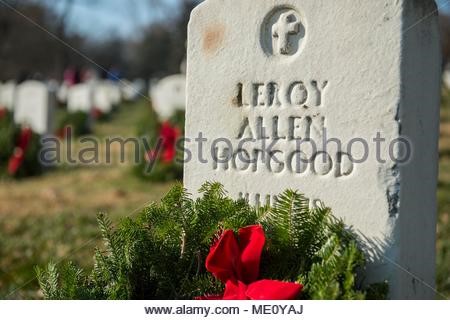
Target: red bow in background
236,263
96,113
3,112
18,156
64,132
169,136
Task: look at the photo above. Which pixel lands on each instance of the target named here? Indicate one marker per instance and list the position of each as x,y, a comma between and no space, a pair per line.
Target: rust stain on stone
212,38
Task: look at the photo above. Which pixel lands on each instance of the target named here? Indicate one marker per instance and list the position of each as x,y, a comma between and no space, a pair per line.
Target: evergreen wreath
162,162
8,132
19,149
161,253
77,121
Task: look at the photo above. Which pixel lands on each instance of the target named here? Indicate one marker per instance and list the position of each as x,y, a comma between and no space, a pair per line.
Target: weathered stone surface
313,70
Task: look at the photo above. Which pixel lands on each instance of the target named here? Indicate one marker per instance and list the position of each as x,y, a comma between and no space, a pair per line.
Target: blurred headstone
34,106
169,95
62,92
7,93
132,90
115,94
446,78
80,98
128,92
53,85
107,95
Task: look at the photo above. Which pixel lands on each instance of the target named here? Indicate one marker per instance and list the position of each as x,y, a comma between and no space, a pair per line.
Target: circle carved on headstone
282,32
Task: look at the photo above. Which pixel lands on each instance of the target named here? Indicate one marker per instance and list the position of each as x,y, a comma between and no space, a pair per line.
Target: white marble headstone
169,95
263,72
132,90
7,93
80,98
62,92
34,106
106,96
115,94
128,91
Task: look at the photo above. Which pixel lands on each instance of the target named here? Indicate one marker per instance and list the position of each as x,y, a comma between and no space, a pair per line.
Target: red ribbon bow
236,262
96,113
3,112
169,136
16,160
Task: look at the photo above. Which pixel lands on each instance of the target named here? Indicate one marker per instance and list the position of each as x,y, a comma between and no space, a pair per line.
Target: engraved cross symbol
286,25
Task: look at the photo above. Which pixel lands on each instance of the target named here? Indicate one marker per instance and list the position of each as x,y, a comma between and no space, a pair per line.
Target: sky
99,18
444,5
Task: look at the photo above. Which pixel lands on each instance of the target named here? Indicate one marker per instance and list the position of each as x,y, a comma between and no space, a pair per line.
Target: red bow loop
223,259
236,261
3,112
251,245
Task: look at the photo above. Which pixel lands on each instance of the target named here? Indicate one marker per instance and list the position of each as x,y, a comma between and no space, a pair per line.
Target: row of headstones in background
103,95
301,66
33,102
132,91
168,95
